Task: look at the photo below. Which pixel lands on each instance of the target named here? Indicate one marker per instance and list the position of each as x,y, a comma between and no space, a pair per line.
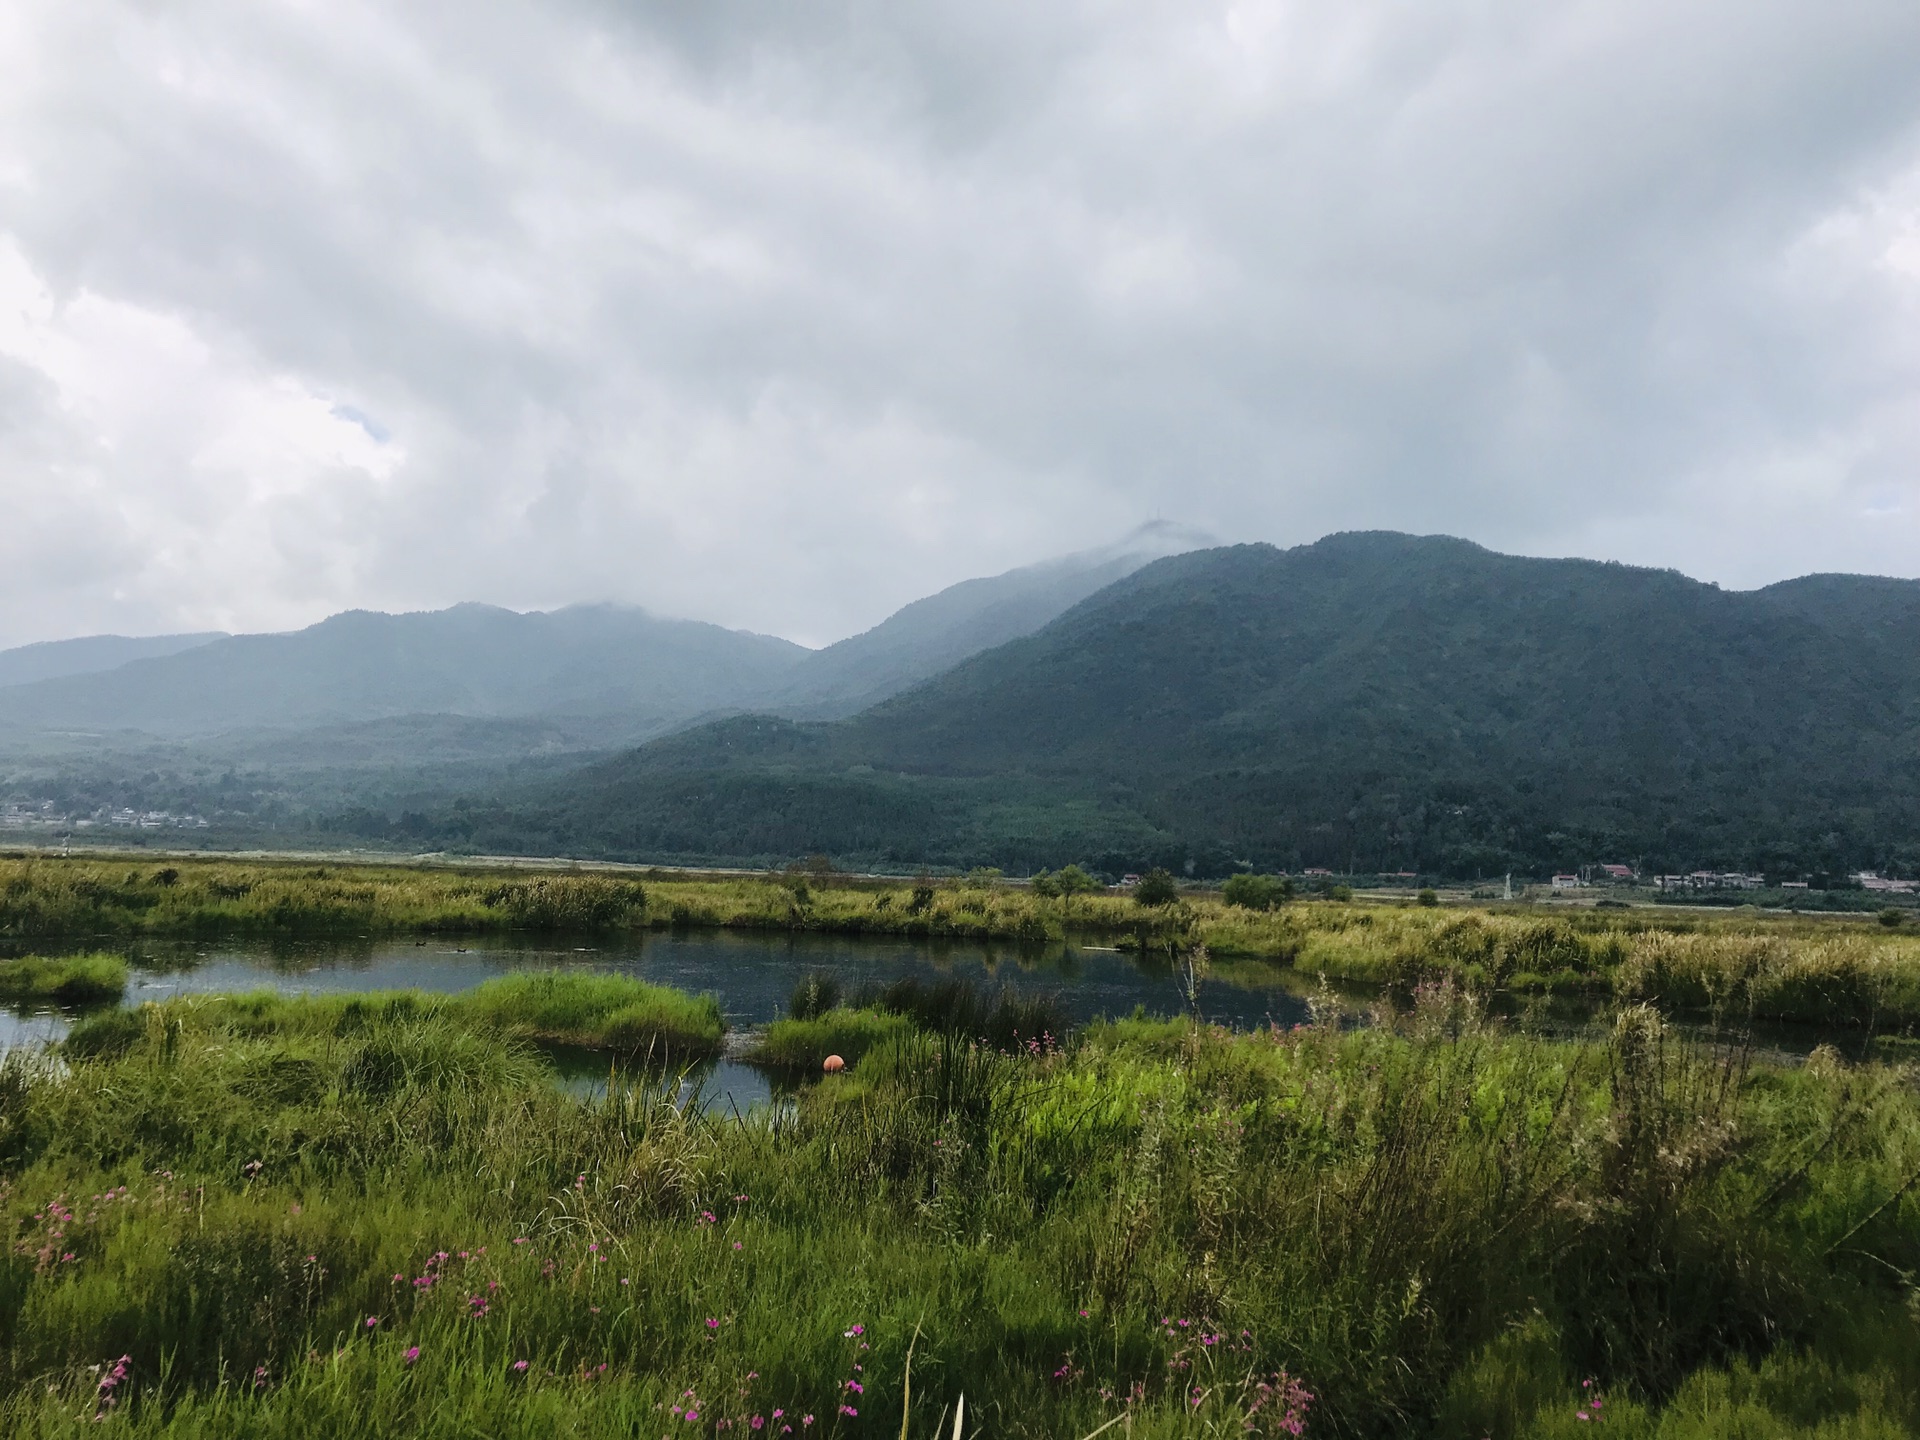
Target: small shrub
1257,892
818,993
1156,888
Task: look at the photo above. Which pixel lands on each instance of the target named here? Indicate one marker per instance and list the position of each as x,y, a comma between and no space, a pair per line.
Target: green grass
66,980
529,1007
1439,1227
608,1012
792,1044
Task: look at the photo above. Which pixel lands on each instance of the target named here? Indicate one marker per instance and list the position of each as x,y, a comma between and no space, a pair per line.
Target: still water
752,974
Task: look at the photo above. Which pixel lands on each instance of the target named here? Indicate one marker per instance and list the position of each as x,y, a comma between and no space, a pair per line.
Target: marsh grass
607,1012
66,980
1432,1227
571,1008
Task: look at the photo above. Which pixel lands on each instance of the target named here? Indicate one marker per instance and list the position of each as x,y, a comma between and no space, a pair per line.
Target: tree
1075,881
1156,888
1428,897
1044,884
1257,892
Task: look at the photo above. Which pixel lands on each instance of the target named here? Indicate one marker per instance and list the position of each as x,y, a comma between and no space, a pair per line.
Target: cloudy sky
782,315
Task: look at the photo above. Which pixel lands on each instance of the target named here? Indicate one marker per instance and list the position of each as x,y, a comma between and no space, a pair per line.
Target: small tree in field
1072,880
1156,888
1257,892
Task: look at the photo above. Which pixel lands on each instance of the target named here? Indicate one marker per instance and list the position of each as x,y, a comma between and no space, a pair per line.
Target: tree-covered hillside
1372,701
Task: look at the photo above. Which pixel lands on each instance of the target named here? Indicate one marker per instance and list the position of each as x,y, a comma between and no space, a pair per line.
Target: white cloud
784,317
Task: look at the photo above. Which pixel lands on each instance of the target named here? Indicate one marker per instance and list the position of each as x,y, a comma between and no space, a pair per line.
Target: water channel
751,973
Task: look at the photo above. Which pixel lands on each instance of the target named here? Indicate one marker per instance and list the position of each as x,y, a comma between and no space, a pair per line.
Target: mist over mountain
635,673
1375,701
930,636
52,659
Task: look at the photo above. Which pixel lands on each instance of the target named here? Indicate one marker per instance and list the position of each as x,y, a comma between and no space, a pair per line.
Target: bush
1257,892
813,996
1072,880
1156,888
1428,897
1892,918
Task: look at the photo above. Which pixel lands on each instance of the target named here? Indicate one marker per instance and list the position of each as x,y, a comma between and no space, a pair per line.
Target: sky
782,316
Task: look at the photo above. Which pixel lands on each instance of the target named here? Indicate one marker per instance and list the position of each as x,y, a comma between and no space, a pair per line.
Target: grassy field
1829,971
380,1217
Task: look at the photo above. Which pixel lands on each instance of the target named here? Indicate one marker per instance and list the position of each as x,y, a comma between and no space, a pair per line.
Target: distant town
44,815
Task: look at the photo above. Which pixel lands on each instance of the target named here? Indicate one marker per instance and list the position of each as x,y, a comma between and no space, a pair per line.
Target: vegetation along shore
1828,971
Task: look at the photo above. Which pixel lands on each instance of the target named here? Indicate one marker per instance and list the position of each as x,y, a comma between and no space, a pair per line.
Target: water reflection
751,974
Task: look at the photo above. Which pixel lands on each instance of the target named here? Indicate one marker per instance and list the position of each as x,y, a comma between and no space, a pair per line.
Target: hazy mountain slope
52,659
470,660
1376,700
932,635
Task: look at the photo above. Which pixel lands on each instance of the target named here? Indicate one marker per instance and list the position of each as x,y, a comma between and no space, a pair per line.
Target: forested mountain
51,659
471,660
1373,701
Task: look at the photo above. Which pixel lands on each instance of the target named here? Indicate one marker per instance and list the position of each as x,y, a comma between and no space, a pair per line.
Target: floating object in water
833,1065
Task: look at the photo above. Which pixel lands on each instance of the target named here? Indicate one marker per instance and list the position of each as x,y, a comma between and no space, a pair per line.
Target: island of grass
380,1217
817,1024
65,980
550,1008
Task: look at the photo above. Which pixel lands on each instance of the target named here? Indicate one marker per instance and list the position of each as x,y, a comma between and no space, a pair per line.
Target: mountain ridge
1422,701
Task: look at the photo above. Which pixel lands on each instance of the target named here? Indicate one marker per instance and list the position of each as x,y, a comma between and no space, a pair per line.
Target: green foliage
1075,881
1156,888
1257,892
614,1012
802,1043
1892,917
817,993
66,980
1441,1228
1428,897
1004,1019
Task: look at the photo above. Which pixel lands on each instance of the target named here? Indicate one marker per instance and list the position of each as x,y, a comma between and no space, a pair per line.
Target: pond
752,973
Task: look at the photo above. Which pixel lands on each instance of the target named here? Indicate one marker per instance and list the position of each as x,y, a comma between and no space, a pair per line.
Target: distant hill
471,660
632,673
1373,701
52,659
935,634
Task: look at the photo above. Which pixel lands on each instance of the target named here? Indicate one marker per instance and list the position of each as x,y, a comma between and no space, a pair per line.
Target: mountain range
634,673
1372,701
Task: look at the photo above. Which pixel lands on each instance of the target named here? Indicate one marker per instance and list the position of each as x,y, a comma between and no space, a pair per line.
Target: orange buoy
833,1065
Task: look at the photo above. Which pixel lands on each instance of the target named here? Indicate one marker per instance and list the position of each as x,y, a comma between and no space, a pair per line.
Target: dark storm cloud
784,315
